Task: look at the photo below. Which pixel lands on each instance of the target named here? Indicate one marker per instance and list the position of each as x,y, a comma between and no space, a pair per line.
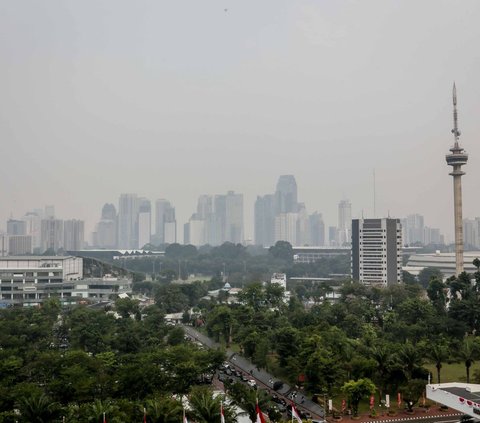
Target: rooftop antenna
455,131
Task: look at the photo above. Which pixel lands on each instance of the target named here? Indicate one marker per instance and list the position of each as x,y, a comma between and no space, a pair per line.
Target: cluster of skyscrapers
131,227
39,231
280,217
218,219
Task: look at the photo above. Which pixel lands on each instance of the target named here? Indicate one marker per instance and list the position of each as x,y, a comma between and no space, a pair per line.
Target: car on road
251,383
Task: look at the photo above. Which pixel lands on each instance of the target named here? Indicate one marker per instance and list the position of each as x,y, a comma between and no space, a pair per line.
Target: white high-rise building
33,227
194,231
376,251
51,234
233,218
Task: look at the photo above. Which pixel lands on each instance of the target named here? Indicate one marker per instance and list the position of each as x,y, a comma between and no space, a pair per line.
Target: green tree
356,390
438,352
247,398
412,392
37,409
163,410
206,407
427,274
468,353
282,250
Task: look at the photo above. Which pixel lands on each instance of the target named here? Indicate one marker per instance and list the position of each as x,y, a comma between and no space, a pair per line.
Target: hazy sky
173,99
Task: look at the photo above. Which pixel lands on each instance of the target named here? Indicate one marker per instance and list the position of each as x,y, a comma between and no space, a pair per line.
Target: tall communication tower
457,158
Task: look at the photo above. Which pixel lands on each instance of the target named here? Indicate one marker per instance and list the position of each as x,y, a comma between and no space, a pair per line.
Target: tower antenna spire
455,131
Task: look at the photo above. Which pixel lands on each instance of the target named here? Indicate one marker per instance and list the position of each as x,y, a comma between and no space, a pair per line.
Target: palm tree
383,358
247,398
410,358
163,410
206,407
37,408
438,353
468,353
98,408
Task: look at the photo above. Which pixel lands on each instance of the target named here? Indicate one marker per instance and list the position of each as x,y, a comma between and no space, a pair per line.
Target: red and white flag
295,415
260,418
222,414
104,418
184,417
144,415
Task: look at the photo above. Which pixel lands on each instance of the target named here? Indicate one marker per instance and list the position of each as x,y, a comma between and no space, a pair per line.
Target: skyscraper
16,227
414,229
144,222
317,230
233,218
286,195
457,158
128,221
265,220
344,223
165,223
105,235
52,234
73,235
376,251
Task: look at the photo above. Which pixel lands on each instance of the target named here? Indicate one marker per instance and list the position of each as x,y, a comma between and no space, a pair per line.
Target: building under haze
264,220
128,221
218,219
16,227
144,222
73,235
51,234
105,235
165,223
344,230
376,251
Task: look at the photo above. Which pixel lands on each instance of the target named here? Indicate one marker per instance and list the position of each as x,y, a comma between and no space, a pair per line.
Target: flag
222,414
184,417
144,415
260,418
344,405
295,415
372,402
399,399
104,418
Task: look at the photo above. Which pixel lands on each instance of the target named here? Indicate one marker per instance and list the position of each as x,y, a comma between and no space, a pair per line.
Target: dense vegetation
82,362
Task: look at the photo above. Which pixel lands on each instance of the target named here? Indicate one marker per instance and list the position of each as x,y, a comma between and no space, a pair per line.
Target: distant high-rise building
286,195
33,227
265,220
51,234
105,235
128,221
344,223
414,229
233,218
73,235
16,227
303,226
194,231
471,233
144,222
376,251
49,212
20,245
316,230
332,236
165,223
432,236
286,227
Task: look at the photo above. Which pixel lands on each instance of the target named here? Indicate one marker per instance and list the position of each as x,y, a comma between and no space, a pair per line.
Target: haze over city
178,99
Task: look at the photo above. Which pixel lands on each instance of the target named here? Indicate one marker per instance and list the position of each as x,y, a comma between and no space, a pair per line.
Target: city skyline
327,92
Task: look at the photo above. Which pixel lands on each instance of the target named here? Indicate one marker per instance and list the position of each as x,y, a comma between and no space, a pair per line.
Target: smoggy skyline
178,99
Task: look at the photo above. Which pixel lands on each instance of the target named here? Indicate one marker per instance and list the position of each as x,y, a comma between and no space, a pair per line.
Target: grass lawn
454,372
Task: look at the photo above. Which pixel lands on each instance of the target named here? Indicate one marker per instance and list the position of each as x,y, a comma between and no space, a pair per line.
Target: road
264,379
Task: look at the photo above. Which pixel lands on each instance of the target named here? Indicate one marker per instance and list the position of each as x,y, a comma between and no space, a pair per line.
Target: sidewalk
419,414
